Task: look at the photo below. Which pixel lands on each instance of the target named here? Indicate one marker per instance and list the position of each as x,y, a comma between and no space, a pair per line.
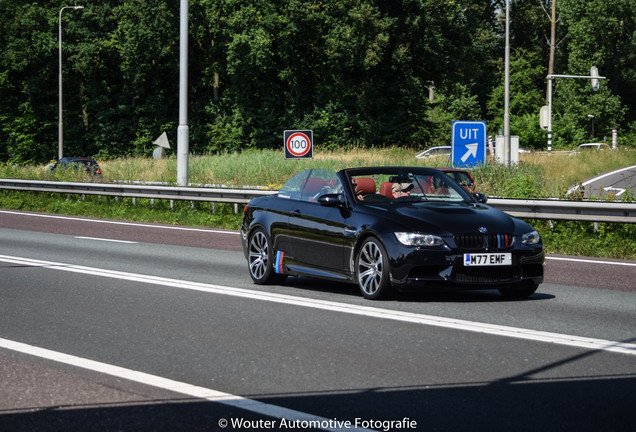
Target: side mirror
480,198
331,200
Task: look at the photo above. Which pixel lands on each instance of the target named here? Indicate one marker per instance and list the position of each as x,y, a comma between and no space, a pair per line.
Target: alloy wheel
258,255
370,268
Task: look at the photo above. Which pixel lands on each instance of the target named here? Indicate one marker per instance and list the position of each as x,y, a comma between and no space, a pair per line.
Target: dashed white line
105,239
369,311
583,260
182,228
135,224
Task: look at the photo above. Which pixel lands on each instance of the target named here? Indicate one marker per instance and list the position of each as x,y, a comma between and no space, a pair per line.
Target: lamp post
183,130
60,139
594,80
507,89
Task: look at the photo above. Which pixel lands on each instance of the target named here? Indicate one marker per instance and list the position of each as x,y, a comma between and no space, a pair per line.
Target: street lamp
507,89
183,130
61,127
594,80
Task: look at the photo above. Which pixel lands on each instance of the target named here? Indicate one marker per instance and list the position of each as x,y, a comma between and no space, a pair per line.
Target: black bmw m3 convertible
384,228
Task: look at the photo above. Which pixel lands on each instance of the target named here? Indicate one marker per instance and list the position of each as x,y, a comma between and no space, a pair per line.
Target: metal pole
550,78
183,129
60,125
60,129
550,115
507,89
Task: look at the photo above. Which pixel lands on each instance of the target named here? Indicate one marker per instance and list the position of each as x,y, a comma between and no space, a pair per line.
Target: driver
401,189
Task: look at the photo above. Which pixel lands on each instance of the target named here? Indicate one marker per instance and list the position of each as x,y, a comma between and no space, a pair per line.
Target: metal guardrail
591,211
237,196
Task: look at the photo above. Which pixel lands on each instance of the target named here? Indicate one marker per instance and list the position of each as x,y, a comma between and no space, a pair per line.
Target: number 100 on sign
298,144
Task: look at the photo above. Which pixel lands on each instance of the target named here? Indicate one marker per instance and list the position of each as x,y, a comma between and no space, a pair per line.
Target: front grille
484,274
480,242
500,241
470,242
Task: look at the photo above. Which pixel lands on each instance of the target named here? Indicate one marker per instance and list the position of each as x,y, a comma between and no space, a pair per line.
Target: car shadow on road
348,290
473,296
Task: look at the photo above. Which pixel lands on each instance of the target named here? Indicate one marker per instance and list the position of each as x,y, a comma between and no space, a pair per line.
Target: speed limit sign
298,144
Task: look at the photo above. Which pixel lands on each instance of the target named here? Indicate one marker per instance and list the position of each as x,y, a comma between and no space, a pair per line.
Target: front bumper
443,266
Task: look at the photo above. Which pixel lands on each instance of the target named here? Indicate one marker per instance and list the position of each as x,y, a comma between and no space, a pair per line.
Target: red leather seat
364,186
386,189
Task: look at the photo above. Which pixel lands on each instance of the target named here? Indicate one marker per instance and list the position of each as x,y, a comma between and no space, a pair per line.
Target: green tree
457,103
147,40
526,99
98,112
600,33
28,84
357,72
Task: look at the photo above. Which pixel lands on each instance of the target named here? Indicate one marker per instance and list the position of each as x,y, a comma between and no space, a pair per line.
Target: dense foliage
357,72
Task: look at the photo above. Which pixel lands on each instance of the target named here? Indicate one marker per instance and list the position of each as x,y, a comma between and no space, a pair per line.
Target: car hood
451,218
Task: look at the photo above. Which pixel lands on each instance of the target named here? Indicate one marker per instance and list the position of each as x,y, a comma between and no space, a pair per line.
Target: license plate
487,259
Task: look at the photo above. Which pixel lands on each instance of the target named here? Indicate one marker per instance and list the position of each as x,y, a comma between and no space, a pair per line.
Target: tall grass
562,170
538,175
142,210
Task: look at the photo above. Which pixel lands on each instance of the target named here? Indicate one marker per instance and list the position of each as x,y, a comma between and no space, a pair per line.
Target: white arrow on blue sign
468,143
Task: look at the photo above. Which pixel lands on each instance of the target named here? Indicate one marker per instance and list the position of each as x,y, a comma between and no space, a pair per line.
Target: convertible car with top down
386,228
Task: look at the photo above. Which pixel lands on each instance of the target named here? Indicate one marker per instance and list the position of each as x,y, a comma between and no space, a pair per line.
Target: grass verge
561,237
198,214
538,175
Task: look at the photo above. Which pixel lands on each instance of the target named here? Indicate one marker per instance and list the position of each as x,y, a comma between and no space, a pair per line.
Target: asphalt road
612,183
117,327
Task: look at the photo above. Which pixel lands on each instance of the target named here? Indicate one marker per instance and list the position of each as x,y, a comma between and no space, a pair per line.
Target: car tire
521,291
261,260
372,270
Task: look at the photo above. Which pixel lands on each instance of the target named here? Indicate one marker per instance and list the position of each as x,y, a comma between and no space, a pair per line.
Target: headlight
531,238
415,239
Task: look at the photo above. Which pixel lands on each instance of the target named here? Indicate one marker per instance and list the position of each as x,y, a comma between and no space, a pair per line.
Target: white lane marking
369,311
105,239
582,260
141,225
290,416
602,176
181,228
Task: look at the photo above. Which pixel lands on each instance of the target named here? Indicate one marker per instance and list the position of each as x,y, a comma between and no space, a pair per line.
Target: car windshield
80,165
310,184
404,185
593,146
462,178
